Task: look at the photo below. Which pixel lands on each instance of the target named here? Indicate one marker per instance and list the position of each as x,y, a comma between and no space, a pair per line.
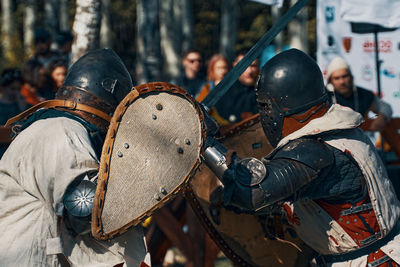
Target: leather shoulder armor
313,153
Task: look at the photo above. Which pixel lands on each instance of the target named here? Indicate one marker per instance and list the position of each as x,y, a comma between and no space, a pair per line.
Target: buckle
357,209
370,239
70,104
379,261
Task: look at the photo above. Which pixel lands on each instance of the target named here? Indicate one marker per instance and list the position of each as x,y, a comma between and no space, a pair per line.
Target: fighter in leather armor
323,170
48,173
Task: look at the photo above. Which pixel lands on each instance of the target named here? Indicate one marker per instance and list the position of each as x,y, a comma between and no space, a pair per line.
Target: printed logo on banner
347,43
389,72
367,73
331,40
385,46
332,47
329,14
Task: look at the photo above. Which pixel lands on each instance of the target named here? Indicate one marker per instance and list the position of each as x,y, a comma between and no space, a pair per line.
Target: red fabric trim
377,255
352,224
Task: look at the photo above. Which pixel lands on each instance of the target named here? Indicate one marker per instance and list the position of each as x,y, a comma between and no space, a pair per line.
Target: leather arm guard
251,184
78,203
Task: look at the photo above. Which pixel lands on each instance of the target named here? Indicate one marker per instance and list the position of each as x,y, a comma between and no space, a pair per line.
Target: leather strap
58,103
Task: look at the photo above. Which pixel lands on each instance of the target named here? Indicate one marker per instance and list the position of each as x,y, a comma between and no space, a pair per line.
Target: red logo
385,46
346,43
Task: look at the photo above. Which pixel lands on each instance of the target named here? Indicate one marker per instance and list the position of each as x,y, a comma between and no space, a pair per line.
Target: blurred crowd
240,101
40,77
44,72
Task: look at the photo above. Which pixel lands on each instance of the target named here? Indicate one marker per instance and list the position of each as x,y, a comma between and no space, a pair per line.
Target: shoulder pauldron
311,152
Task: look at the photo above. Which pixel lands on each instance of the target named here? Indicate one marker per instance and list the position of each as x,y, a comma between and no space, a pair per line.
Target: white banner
334,38
383,12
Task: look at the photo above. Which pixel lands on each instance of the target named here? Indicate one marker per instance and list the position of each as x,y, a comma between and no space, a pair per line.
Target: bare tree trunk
51,16
171,37
29,25
187,24
229,15
7,26
86,27
148,41
276,13
298,30
63,11
105,29
176,33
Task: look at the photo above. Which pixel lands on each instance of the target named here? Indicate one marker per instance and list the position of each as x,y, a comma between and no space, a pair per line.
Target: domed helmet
98,79
290,83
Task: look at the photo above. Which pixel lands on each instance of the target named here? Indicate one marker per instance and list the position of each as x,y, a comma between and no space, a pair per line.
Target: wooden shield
242,237
152,148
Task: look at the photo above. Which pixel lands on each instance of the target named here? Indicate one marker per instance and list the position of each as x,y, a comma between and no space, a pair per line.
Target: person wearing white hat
341,81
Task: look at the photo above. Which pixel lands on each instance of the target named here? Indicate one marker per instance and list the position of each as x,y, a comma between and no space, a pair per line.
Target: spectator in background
11,101
218,67
341,80
239,102
191,79
57,71
43,53
37,85
64,41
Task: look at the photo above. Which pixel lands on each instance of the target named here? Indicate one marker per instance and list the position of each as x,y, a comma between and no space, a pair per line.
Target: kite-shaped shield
248,240
152,148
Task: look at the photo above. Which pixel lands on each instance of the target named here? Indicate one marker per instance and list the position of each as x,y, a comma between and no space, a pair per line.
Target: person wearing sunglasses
192,78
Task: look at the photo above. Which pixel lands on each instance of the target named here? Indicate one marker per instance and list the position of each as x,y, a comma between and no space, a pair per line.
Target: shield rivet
157,197
162,190
154,117
187,141
180,150
119,154
126,145
159,107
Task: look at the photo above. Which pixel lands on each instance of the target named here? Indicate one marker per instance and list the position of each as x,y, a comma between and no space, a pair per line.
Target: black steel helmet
98,79
290,83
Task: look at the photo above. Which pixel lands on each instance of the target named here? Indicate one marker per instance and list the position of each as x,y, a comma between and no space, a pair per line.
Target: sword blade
230,78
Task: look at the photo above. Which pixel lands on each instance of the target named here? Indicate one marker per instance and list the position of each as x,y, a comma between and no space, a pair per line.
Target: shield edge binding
98,203
198,209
